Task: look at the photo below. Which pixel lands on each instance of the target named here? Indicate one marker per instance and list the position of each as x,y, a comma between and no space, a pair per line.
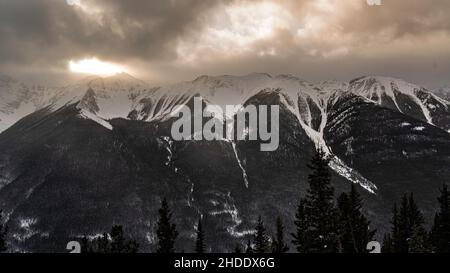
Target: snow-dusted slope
99,98
113,96
122,96
127,97
308,102
18,100
221,91
306,99
404,97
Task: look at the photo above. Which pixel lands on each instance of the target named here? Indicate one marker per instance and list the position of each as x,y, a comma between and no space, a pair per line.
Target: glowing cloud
95,67
235,28
73,2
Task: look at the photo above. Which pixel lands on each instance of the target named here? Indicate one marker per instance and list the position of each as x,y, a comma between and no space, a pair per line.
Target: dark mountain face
65,182
396,152
65,174
406,98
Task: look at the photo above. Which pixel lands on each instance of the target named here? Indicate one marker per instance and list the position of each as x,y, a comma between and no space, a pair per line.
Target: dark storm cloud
52,29
171,40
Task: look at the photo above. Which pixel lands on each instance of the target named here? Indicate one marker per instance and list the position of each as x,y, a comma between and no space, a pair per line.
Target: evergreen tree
408,233
114,242
3,234
102,244
418,241
85,245
387,244
166,231
440,233
237,249
117,240
395,231
301,225
355,233
249,248
278,244
321,213
200,242
119,244
261,239
404,226
132,247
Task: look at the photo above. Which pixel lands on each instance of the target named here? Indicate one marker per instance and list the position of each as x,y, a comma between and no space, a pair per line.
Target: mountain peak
118,81
254,76
383,85
122,76
384,80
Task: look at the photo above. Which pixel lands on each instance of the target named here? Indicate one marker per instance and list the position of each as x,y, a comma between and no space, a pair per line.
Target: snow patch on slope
88,115
350,174
229,207
244,173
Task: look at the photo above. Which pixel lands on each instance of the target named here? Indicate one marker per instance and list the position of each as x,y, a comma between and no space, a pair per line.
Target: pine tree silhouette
404,226
278,244
103,244
261,240
132,247
114,242
249,248
3,234
117,239
440,233
200,242
418,240
166,231
322,217
387,244
301,224
392,240
237,249
408,233
86,246
355,233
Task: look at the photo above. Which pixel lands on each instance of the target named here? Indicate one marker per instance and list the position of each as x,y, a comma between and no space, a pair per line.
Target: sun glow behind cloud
73,2
95,67
167,40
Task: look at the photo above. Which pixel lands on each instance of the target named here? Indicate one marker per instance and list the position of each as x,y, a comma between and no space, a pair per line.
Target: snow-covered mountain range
123,96
106,141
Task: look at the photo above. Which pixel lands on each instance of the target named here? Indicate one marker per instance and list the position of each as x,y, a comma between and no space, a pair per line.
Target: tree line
323,224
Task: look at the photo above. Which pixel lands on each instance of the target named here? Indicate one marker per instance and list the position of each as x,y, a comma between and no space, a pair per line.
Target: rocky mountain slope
100,152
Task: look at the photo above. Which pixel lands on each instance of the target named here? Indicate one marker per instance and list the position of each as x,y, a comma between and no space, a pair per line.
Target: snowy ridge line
119,95
370,87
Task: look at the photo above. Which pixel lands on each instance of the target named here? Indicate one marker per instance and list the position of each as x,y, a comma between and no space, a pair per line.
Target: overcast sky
169,40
